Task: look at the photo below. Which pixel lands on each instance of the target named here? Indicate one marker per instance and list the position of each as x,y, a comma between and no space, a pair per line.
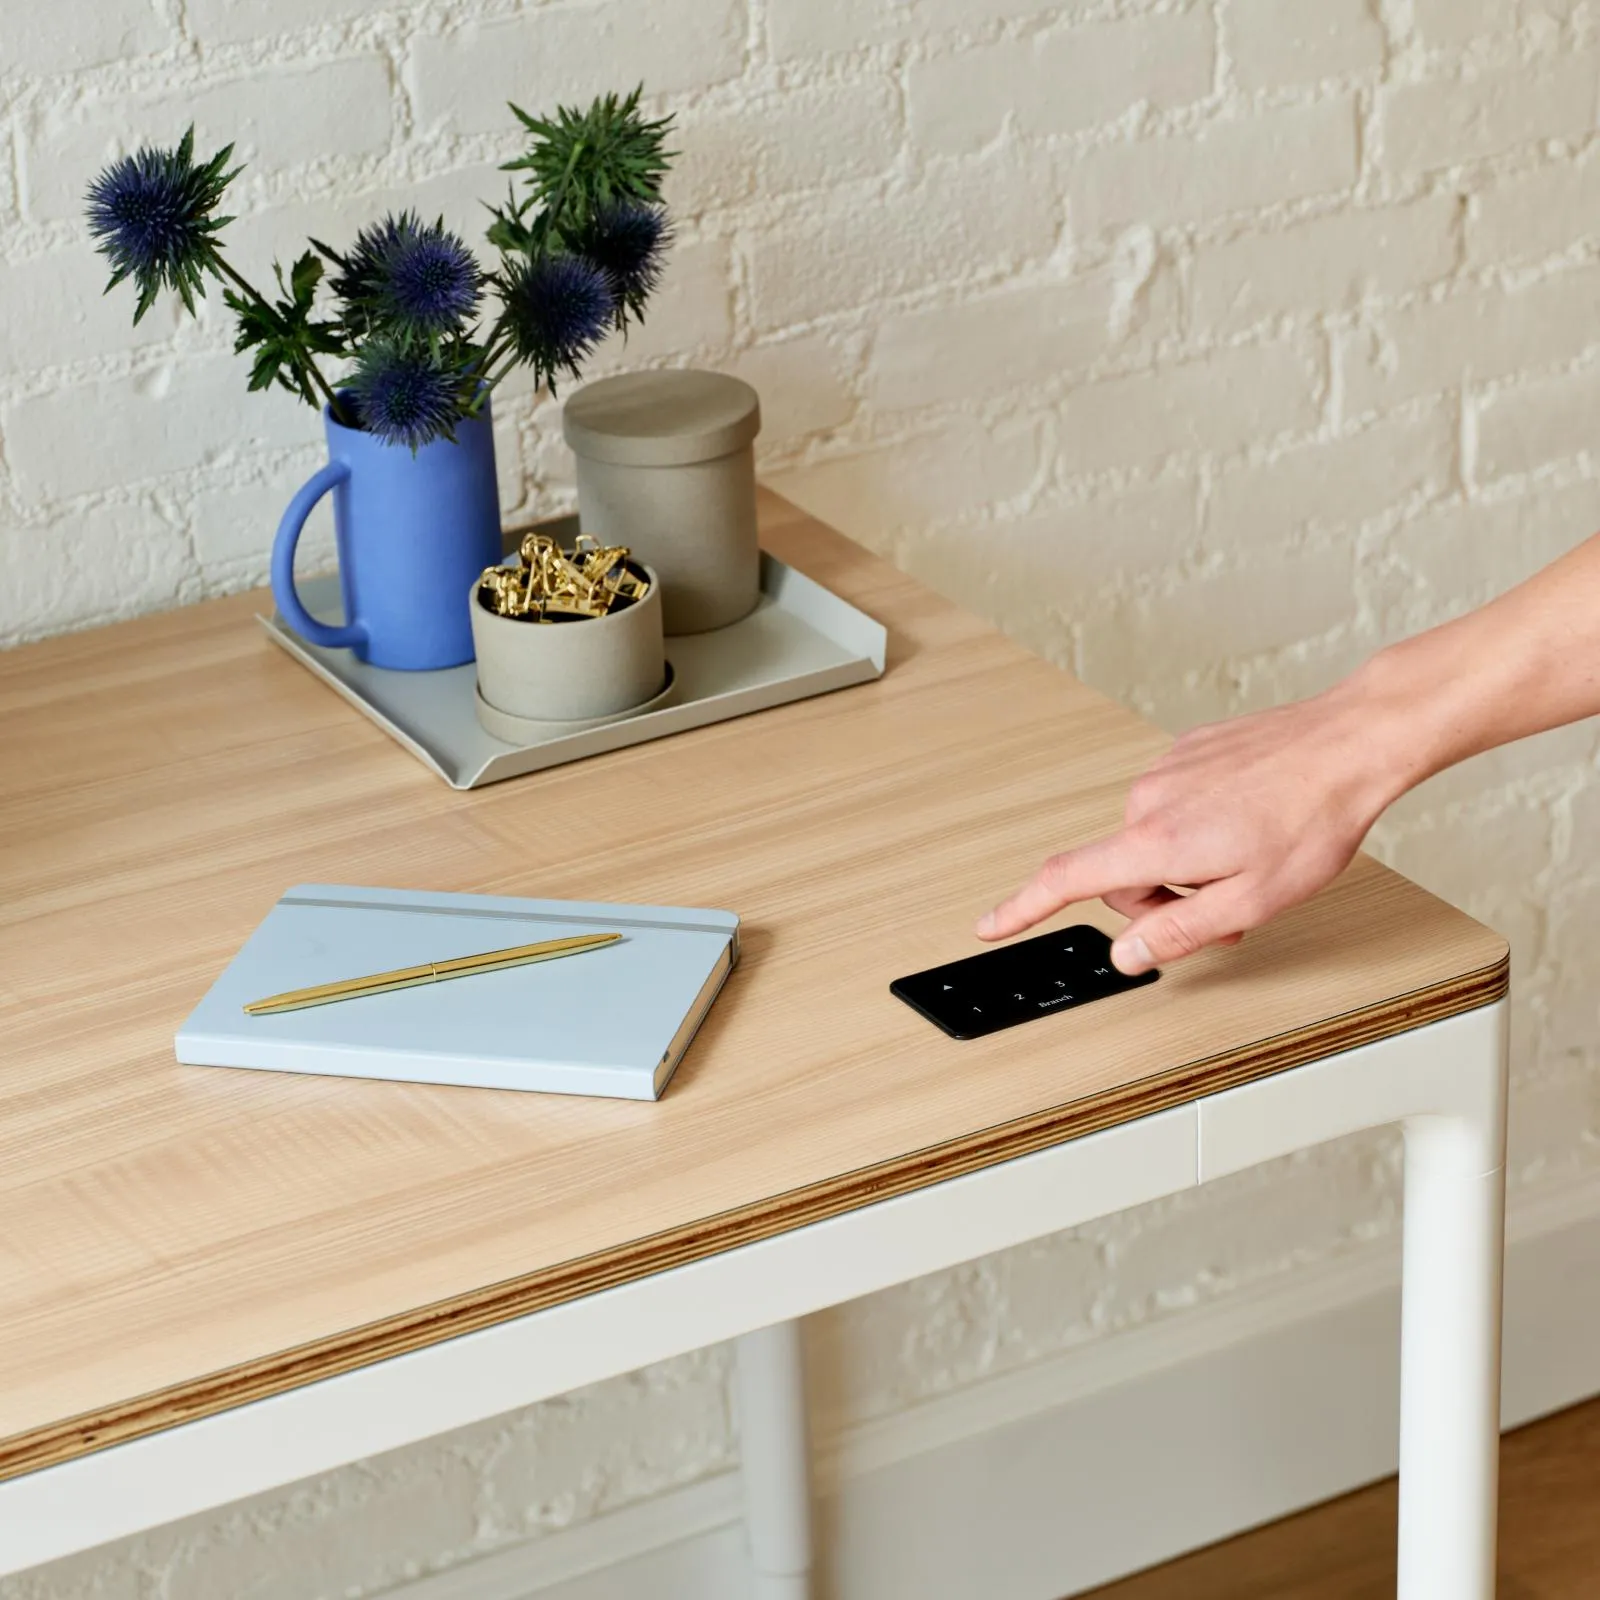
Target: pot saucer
524,731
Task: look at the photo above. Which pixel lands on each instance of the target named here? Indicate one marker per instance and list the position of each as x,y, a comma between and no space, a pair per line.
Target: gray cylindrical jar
666,466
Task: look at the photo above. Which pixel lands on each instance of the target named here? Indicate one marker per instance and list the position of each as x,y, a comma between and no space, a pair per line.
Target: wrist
1390,713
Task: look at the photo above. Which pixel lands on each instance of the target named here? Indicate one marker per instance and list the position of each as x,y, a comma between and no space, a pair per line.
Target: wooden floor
1549,1535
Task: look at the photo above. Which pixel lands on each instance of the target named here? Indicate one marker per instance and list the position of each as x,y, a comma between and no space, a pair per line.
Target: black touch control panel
1017,982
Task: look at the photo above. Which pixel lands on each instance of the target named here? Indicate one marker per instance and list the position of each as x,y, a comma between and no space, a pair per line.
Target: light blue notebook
613,1021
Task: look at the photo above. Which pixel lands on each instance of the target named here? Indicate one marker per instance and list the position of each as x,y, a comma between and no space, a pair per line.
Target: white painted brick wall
1328,263
1445,122
1038,335
1240,165
1203,344
1276,43
463,78
76,34
1524,427
341,103
1335,483
1533,217
1438,344
855,247
1209,405
1063,81
1455,22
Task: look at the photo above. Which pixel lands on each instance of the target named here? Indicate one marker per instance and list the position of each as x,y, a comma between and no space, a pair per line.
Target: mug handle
350,632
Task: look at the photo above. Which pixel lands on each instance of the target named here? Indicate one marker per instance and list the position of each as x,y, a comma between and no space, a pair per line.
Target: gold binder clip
592,581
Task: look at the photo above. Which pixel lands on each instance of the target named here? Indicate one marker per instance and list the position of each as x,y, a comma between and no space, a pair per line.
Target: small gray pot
570,671
666,467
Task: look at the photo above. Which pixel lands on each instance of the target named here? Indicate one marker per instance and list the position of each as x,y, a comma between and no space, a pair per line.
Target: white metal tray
801,640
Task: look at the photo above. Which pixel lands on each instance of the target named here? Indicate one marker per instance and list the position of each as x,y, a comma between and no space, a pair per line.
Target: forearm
1524,663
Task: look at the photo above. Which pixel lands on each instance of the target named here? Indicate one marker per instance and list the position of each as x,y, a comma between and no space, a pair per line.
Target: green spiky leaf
582,162
285,334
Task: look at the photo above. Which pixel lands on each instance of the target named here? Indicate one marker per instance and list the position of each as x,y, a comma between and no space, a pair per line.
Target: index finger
1126,860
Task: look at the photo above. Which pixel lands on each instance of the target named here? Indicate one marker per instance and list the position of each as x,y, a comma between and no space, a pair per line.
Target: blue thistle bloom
406,277
405,394
627,242
151,217
557,309
429,285
361,272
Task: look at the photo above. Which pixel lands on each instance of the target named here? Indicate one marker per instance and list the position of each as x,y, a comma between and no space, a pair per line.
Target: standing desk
216,1282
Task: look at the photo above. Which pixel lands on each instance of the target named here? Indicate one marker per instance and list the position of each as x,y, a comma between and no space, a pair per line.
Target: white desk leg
1450,1342
775,1452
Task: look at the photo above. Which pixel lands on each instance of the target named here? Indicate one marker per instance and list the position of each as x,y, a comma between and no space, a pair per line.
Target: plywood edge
62,1441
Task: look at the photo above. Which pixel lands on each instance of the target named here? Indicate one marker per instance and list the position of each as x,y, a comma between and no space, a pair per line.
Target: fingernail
986,924
1131,956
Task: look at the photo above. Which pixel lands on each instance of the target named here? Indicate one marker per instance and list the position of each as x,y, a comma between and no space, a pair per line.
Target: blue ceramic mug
412,532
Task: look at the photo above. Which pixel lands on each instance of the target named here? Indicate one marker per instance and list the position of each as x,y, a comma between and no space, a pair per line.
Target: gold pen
520,955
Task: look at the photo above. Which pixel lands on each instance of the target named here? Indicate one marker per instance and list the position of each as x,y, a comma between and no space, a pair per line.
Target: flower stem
495,377
304,361
499,344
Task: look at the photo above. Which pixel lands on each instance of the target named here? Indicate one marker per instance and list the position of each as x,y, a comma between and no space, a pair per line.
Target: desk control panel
1017,982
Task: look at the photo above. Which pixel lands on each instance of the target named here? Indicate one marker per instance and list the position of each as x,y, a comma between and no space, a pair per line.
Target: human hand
1253,816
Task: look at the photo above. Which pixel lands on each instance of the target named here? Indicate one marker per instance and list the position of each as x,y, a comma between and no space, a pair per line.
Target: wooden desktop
183,1246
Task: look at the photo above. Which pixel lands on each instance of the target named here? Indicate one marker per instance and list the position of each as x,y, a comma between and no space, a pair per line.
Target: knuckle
1054,873
1145,791
1154,831
1176,938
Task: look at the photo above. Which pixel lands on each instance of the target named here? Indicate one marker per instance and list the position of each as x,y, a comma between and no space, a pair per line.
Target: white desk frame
1445,1084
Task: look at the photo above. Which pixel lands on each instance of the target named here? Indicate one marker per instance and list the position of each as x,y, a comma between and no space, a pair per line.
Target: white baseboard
1099,1462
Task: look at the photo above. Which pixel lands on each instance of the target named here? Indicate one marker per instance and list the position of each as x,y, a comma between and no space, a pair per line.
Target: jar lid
661,419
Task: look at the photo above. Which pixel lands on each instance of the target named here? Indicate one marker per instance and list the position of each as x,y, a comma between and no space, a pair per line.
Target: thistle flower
557,308
360,273
580,252
627,242
429,284
406,277
151,217
404,393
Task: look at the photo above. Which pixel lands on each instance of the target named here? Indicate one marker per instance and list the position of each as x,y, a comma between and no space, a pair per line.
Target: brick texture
931,477
1526,426
1533,216
340,104
1333,483
1279,42
813,137
1434,345
1290,598
1446,122
1473,549
1327,264
570,52
1203,345
1209,407
1037,335
80,435
75,34
1455,22
214,22
1236,166
986,215
1060,82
